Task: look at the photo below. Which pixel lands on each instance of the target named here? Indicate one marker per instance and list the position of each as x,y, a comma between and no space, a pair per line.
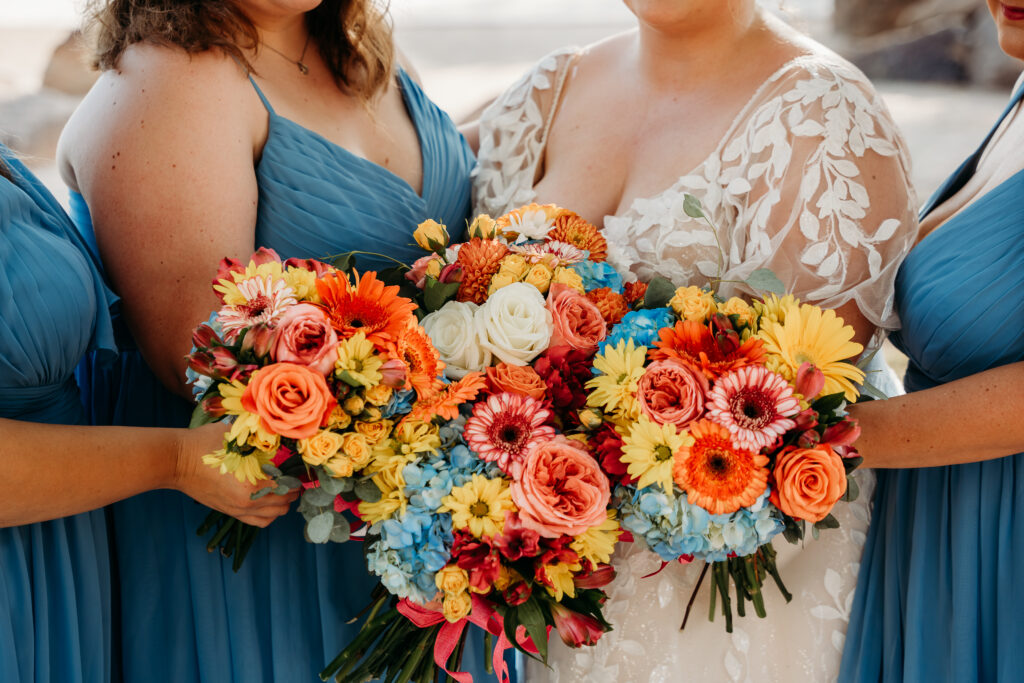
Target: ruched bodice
55,621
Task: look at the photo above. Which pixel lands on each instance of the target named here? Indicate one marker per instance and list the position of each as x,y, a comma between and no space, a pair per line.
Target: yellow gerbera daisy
357,364
812,335
649,450
479,505
247,467
621,367
773,309
560,575
598,542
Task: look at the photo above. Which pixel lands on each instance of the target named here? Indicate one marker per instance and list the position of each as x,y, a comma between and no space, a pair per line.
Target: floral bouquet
313,370
724,423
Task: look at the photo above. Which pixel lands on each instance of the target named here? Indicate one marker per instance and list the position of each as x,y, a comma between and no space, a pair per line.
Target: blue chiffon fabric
186,615
55,581
941,586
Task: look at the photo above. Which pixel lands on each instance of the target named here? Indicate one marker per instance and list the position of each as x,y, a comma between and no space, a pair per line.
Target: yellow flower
433,268
561,574
339,467
356,449
391,482
456,606
500,280
245,423
452,579
354,405
569,277
416,436
483,226
357,364
506,577
479,505
431,235
378,395
375,432
693,303
514,265
773,309
303,283
739,308
248,467
264,441
539,276
319,448
649,451
621,367
229,287
339,419
598,542
816,336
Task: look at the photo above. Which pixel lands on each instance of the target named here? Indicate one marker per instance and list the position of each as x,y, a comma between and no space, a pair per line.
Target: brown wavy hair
5,172
353,36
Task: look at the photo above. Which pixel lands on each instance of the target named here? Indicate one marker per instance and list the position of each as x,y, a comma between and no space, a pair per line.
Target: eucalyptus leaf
318,497
765,280
829,522
852,490
367,491
341,531
265,491
280,490
318,529
329,483
660,291
271,471
290,483
692,206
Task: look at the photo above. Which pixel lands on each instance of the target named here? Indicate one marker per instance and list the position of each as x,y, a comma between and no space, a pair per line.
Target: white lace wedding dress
811,180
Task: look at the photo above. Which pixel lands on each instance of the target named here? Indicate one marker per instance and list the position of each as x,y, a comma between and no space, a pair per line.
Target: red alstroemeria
597,578
218,362
516,541
607,446
479,559
259,339
517,593
574,628
841,437
318,267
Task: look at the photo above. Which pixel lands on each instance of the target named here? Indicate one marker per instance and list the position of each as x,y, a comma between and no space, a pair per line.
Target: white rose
456,338
514,323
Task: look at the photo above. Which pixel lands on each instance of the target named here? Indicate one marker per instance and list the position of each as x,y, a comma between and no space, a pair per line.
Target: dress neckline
403,82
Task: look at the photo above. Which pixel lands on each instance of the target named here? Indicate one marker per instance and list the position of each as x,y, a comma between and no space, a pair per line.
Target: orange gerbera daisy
635,291
480,260
422,361
612,305
715,474
693,343
571,228
369,307
445,403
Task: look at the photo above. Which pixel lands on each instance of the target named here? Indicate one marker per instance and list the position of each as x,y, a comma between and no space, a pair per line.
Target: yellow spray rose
319,448
693,303
378,395
452,579
483,226
513,264
500,280
539,276
569,277
456,606
431,235
374,432
740,308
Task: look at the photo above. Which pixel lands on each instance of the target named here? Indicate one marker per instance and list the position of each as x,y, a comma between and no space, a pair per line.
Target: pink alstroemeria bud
574,628
842,434
809,439
213,405
203,337
393,373
807,419
599,578
259,339
451,273
809,381
318,267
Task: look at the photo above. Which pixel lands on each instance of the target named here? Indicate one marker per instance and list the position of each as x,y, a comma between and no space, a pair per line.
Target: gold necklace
303,69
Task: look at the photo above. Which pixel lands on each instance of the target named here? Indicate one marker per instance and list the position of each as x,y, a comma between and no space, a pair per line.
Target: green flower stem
413,662
488,648
332,257
229,523
355,650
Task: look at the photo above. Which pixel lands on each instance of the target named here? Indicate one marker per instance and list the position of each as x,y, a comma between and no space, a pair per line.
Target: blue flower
400,404
641,326
597,275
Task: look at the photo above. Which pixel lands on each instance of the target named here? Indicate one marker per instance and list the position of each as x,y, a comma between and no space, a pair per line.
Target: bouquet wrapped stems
233,537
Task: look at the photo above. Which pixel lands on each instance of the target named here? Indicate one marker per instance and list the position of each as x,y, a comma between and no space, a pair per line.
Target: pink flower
598,578
575,629
505,427
305,336
577,321
393,373
230,265
670,392
809,381
754,404
553,252
265,302
450,273
318,267
561,490
841,436
259,339
204,337
418,273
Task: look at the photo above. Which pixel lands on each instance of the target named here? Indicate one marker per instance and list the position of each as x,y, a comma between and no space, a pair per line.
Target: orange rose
291,400
578,323
516,379
808,482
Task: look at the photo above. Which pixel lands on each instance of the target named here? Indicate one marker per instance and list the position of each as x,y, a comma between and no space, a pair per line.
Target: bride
797,162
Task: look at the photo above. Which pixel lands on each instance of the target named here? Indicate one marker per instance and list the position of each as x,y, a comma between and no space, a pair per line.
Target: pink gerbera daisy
505,427
266,299
754,404
560,253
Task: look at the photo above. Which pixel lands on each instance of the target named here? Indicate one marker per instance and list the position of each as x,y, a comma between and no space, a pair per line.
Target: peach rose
670,392
517,379
578,323
305,336
290,399
561,490
808,482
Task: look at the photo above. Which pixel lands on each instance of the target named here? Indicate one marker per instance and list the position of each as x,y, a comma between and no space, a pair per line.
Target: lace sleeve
513,131
830,208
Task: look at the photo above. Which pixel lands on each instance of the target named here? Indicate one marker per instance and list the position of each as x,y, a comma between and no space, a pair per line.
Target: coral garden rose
514,324
515,379
670,392
577,322
290,399
457,339
305,336
561,490
808,482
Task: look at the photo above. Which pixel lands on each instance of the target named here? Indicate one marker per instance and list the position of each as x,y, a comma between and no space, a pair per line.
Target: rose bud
483,226
431,235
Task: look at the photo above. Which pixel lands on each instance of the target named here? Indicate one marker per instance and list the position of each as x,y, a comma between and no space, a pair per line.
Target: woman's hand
222,492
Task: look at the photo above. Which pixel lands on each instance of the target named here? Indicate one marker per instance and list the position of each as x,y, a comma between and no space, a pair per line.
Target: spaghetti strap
266,102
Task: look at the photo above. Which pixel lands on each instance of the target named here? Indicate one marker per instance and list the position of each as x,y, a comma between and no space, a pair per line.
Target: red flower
574,628
635,291
596,578
318,267
516,541
607,447
565,371
517,593
479,560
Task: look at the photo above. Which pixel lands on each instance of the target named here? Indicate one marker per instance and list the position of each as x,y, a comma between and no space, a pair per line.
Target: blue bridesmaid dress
55,581
941,586
186,616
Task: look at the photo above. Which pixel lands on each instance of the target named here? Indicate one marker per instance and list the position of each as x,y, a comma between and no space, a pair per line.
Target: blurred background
936,62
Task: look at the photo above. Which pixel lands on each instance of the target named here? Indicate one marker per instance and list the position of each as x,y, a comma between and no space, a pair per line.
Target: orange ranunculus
576,321
808,482
291,400
517,379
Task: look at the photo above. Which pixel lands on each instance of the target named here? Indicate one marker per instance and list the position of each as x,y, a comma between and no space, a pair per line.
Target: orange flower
693,343
445,403
518,379
808,482
422,361
370,307
291,400
635,291
612,305
715,475
480,260
572,229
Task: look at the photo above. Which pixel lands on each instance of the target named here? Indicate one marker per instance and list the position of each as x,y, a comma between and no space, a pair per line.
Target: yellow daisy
773,309
357,364
621,367
479,505
233,296
649,452
560,575
416,436
598,542
247,467
245,424
391,482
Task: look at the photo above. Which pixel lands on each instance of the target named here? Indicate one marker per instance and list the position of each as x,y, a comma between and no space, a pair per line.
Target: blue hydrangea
641,326
413,546
400,403
597,275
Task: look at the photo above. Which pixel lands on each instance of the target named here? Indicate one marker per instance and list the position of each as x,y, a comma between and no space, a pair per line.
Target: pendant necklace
303,69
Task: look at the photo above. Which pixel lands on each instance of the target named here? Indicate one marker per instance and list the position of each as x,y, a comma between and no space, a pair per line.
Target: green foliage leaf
330,484
271,471
852,490
290,483
394,276
869,392
530,615
265,491
367,491
829,404
435,294
344,262
200,417
318,497
829,522
318,529
660,291
793,532
692,206
765,280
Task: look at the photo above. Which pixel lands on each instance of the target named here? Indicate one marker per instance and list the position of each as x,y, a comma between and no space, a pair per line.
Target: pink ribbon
483,615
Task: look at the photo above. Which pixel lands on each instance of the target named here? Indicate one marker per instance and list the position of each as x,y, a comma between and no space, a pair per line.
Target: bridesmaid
940,588
55,571
217,127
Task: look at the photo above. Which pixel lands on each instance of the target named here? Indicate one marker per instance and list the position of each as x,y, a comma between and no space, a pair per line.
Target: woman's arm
53,471
980,417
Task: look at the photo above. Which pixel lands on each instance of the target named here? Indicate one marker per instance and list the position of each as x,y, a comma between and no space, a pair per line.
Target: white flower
456,337
530,224
514,323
